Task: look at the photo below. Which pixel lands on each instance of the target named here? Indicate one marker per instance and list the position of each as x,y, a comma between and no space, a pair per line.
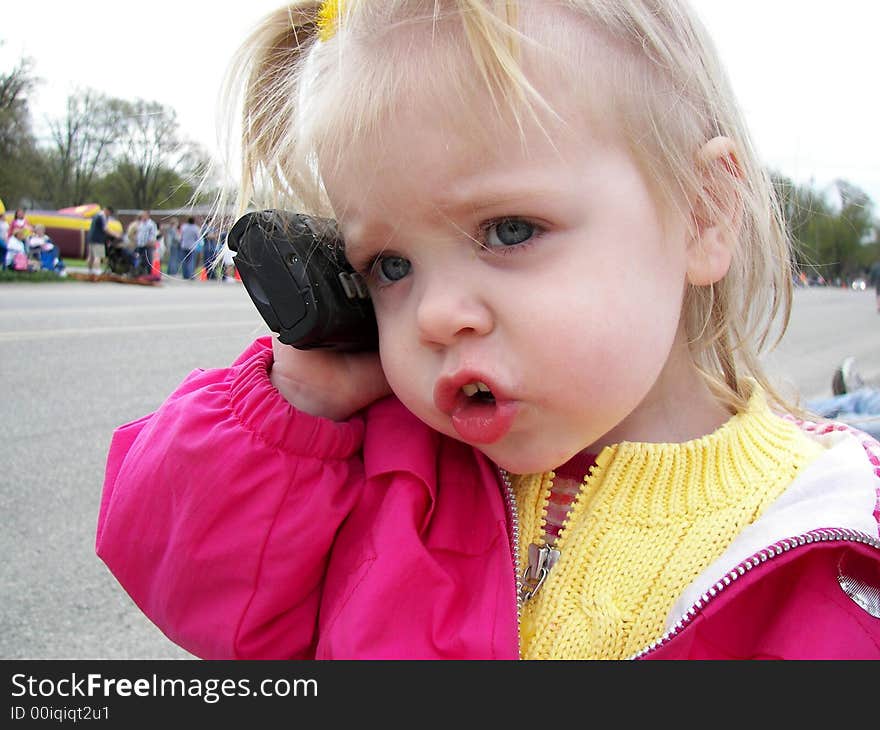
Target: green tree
832,237
855,227
806,212
179,190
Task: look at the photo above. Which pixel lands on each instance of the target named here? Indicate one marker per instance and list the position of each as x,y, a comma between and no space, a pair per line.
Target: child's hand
329,384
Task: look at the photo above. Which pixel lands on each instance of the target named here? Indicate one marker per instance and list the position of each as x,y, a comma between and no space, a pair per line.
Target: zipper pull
541,559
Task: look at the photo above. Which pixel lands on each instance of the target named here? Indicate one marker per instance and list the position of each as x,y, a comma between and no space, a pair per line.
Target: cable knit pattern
649,518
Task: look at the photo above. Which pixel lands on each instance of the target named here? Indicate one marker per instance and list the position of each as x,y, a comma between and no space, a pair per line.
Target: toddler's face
545,274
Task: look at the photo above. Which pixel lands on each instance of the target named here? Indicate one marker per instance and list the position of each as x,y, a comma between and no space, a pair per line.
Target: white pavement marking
125,308
123,329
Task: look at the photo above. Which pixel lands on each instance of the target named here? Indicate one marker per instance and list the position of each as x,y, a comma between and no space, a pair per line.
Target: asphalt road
80,359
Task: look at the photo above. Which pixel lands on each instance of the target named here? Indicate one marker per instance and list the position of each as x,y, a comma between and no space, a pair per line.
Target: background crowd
26,247
186,249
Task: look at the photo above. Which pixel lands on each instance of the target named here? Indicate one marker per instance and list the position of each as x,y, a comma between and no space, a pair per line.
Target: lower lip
483,423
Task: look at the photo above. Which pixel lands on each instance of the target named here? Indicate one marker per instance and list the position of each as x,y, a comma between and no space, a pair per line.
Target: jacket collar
838,490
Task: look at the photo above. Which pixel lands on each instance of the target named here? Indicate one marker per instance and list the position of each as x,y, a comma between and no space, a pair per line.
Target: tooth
482,387
469,389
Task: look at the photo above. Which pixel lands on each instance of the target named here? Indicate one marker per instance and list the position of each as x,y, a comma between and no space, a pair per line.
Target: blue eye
509,232
393,268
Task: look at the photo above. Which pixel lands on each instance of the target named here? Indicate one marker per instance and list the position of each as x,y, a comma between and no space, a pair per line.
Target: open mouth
479,414
478,392
478,417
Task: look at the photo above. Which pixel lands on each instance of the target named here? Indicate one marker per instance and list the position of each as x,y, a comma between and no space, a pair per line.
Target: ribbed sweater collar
657,480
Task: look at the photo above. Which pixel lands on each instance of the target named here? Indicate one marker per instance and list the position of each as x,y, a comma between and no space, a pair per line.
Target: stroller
122,262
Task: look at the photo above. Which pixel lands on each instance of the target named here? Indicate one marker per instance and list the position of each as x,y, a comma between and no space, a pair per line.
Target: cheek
398,353
615,331
389,347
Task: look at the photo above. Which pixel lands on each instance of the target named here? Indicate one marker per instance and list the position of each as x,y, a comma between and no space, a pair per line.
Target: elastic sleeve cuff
262,410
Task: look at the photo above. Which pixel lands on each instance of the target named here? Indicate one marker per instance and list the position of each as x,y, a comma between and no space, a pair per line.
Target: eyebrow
485,197
359,249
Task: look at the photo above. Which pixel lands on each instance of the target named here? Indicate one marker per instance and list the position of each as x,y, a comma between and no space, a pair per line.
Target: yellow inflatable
67,227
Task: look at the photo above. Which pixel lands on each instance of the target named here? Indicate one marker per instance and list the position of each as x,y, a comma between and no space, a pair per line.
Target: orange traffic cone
156,268
203,273
235,273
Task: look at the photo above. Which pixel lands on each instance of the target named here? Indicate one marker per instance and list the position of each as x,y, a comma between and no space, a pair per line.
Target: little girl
566,447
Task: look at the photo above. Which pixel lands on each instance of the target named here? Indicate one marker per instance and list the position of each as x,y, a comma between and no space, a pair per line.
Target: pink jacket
246,529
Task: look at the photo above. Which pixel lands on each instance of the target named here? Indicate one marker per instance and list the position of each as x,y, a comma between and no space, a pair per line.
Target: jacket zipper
759,558
541,558
513,515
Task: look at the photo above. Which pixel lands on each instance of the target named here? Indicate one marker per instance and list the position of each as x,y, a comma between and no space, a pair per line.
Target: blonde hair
305,98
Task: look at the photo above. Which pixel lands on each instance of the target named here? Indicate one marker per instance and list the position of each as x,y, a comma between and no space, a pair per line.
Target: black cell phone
293,266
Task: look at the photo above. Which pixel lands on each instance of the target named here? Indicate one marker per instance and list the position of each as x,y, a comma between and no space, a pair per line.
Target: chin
507,454
519,463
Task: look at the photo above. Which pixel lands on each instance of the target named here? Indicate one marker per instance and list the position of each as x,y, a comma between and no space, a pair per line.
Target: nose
452,307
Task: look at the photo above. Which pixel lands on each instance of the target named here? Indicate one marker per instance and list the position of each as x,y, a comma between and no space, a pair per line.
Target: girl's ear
717,213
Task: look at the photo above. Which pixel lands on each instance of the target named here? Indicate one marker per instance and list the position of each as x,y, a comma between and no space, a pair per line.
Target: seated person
853,402
14,245
41,248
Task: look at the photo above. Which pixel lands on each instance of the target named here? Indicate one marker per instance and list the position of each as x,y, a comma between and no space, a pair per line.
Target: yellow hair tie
328,18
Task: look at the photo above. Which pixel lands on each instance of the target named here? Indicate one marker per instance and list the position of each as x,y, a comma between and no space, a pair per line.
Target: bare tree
17,147
151,159
15,85
81,146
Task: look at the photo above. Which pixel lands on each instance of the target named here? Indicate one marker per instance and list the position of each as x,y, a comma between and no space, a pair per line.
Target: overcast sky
805,71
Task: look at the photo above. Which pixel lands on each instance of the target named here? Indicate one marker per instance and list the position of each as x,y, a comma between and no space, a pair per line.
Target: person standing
131,234
147,239
172,243
97,240
189,243
20,227
874,278
228,269
209,250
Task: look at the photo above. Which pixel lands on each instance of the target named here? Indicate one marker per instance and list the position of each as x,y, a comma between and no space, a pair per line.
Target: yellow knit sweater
647,520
